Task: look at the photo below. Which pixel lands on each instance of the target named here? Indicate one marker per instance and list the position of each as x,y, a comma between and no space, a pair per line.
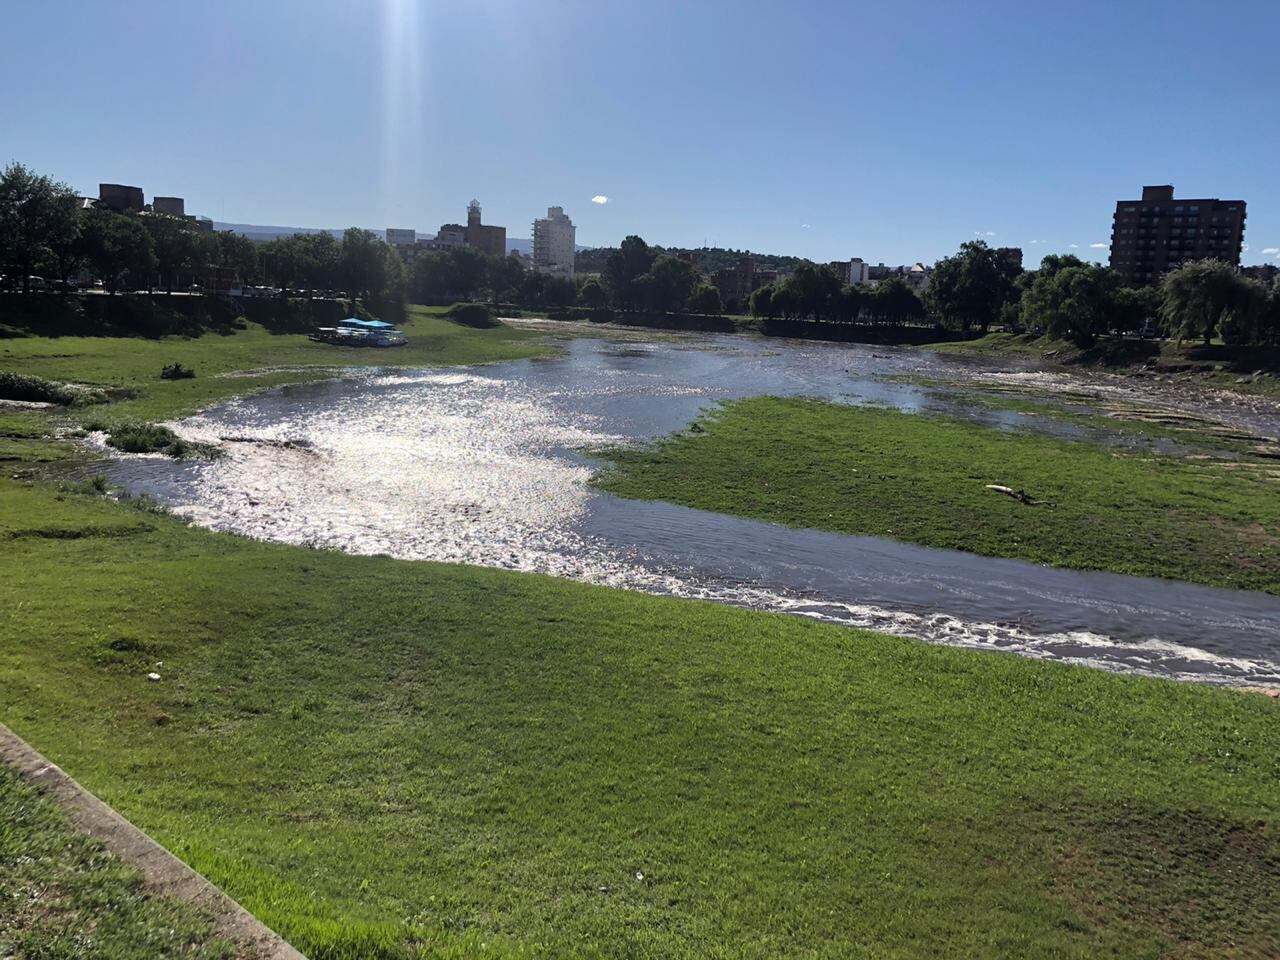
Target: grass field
397,760
266,359
63,895
923,480
379,757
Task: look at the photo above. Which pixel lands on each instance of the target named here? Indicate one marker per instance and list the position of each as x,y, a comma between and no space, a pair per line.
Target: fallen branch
1019,495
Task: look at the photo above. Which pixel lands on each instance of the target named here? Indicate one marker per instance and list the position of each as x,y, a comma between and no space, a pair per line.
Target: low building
173,206
449,236
554,243
738,282
121,198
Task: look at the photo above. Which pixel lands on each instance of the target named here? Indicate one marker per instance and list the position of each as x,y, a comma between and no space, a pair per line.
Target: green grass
260,359
63,895
382,758
922,480
392,759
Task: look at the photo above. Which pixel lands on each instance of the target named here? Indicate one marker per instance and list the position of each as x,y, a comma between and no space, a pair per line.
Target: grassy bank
923,480
258,358
395,760
383,759
63,895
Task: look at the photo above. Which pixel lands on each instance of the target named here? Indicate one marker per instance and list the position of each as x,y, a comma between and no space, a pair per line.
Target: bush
176,371
153,438
472,315
20,386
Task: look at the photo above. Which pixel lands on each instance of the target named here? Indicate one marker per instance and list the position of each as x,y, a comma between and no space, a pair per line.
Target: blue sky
825,129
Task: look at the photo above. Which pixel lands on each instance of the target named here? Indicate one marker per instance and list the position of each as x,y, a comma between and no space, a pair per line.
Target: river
483,465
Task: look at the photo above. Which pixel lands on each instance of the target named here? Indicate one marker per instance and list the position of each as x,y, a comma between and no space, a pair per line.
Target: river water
482,465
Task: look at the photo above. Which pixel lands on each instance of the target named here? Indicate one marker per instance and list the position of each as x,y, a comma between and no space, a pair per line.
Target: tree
705,299
177,246
762,302
233,251
593,294
505,277
815,290
361,262
1202,296
559,292
848,305
114,245
623,269
968,288
37,218
895,302
668,284
1073,300
1134,307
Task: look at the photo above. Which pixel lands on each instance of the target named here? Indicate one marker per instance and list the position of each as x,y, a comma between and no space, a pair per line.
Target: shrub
176,371
473,315
20,386
153,438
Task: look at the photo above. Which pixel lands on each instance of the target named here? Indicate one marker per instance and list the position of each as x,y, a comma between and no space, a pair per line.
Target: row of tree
1071,299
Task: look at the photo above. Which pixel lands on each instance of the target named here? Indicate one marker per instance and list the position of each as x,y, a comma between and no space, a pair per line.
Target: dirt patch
1204,885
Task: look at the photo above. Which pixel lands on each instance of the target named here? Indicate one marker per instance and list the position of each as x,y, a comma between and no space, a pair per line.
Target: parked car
1149,329
37,283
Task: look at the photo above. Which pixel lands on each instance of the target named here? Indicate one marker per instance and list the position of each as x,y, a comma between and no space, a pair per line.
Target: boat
354,332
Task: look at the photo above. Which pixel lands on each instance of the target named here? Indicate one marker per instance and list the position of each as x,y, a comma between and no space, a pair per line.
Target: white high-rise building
554,243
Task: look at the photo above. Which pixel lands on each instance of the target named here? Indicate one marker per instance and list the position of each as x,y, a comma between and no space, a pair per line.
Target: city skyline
972,124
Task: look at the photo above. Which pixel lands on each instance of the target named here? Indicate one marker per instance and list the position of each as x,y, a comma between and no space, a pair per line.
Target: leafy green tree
762,302
848,305
177,246
593,294
361,262
968,289
784,302
559,292
705,299
114,245
895,302
1201,296
504,276
1134,307
815,289
37,219
233,251
667,285
624,268
1074,301
433,280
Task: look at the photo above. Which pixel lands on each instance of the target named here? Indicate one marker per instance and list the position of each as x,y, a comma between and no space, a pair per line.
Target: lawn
923,480
391,759
265,359
383,758
63,895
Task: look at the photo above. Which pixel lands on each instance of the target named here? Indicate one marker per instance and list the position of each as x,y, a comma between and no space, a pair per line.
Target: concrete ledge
163,873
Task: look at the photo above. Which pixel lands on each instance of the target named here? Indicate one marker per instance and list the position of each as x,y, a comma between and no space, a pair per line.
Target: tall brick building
1158,233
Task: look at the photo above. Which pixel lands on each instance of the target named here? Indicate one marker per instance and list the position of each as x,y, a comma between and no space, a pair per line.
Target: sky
815,128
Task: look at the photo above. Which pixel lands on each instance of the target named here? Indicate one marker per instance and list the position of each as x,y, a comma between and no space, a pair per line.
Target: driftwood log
1018,495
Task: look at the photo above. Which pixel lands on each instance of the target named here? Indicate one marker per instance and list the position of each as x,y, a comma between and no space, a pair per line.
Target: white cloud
600,198
1270,251
1099,246
1074,246
804,226
984,233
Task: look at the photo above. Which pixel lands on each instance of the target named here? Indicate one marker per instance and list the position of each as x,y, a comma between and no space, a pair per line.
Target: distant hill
261,233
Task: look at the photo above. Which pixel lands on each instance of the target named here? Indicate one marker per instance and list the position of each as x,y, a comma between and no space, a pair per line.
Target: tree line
1071,299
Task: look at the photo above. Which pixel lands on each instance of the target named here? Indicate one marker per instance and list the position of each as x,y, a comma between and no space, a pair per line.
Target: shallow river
478,465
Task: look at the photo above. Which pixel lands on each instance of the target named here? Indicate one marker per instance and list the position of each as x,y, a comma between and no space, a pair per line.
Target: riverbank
1248,369
396,759
925,480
